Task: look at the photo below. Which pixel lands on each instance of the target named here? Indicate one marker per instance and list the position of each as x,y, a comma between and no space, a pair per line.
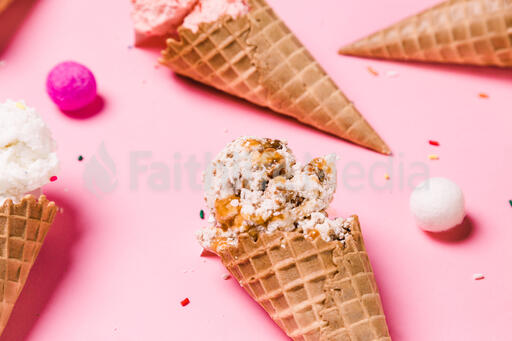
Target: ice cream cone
4,4
314,290
473,32
256,57
23,227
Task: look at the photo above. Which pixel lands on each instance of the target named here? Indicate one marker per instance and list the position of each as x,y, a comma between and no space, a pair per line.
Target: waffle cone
23,227
4,4
314,290
256,57
473,32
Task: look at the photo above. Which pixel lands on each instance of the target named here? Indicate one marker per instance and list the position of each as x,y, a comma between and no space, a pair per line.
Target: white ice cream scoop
27,151
437,205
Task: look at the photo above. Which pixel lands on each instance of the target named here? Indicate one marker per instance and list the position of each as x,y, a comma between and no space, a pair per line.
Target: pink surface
117,264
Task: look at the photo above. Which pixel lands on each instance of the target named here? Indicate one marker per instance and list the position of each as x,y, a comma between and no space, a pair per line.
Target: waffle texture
23,228
473,32
4,4
314,290
256,57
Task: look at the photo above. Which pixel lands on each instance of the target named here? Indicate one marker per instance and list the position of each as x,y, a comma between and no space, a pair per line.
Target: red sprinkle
53,178
185,302
433,143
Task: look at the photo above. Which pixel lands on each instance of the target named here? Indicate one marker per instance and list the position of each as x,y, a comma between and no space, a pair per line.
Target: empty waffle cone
23,228
4,4
314,290
256,57
473,32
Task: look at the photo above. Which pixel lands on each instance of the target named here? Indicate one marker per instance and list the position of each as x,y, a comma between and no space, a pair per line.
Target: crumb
226,277
372,71
387,177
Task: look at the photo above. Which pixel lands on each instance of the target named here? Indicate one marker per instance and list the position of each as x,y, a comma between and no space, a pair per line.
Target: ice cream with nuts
256,186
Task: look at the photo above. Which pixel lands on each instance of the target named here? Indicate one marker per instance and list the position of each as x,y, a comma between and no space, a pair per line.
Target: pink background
116,265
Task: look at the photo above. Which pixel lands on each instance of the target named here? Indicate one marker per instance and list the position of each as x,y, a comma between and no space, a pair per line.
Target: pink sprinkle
53,178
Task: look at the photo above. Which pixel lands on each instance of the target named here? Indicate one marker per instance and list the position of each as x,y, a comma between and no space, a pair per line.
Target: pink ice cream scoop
162,17
71,86
159,17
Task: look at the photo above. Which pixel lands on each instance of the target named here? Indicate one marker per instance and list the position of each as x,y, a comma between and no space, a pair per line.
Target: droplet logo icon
100,173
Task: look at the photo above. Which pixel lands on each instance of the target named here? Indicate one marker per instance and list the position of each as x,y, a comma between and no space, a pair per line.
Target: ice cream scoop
437,205
255,184
27,151
161,17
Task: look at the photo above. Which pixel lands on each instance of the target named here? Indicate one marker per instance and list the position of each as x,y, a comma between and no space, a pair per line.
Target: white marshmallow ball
437,205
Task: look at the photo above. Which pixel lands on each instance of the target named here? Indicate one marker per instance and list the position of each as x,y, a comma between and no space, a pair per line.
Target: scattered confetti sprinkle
226,277
387,177
391,74
372,71
433,157
510,202
20,106
185,302
201,214
483,95
433,143
80,158
53,178
478,277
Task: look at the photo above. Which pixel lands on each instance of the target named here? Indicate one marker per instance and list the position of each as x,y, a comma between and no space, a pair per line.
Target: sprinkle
483,95
372,71
387,177
433,143
20,106
201,214
80,158
226,277
433,157
478,277
185,302
53,178
391,74
510,202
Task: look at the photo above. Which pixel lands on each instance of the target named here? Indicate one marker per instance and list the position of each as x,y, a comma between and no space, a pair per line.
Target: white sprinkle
478,277
226,277
211,219
391,74
234,202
